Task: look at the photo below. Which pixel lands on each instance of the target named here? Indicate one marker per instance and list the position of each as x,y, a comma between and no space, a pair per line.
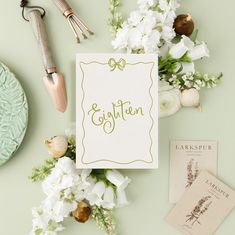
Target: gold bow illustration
113,64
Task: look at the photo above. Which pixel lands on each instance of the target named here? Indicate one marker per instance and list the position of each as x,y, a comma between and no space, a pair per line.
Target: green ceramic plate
13,114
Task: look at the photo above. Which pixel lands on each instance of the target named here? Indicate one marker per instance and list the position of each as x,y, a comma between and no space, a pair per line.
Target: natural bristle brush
77,25
53,80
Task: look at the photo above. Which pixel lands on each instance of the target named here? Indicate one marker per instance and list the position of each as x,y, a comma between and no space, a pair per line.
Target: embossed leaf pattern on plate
13,114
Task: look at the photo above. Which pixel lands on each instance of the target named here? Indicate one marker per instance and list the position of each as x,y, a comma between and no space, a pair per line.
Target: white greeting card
117,111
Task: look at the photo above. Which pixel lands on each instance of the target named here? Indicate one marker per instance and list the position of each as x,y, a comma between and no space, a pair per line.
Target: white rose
169,102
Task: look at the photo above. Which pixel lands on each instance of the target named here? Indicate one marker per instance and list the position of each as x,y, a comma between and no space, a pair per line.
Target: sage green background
149,189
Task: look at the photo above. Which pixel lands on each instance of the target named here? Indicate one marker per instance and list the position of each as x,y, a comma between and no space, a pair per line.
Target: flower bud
121,198
57,146
116,178
82,213
186,68
108,199
190,98
199,52
184,25
179,49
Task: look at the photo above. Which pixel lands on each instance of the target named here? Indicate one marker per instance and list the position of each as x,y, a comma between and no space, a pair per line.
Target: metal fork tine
79,21
74,30
78,27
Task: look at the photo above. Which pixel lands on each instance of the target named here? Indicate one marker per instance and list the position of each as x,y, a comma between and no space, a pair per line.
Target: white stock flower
145,4
95,195
85,174
121,198
146,29
61,177
40,219
169,102
44,223
121,39
66,165
168,33
164,5
135,38
179,49
199,52
147,24
135,18
108,198
151,41
174,4
116,178
62,210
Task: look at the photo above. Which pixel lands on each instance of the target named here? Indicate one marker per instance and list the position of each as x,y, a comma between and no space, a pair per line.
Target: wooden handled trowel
53,81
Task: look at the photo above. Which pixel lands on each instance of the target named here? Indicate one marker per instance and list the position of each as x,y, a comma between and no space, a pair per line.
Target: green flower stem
115,20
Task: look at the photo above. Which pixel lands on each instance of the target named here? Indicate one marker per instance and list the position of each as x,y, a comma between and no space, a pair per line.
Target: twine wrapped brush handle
38,26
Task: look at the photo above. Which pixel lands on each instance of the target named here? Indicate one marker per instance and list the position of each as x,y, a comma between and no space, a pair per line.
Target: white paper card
117,111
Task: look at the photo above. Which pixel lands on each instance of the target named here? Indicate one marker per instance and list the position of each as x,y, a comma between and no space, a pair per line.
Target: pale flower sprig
104,219
193,80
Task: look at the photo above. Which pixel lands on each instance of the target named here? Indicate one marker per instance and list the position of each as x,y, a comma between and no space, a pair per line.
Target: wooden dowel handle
38,26
63,6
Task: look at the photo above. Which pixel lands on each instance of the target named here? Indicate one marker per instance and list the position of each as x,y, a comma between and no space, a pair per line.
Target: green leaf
194,35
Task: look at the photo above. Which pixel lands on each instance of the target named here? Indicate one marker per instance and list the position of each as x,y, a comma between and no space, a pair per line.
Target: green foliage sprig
71,151
115,21
42,172
104,219
169,65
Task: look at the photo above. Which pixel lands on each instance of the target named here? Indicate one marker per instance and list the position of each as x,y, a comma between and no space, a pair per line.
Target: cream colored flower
169,102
